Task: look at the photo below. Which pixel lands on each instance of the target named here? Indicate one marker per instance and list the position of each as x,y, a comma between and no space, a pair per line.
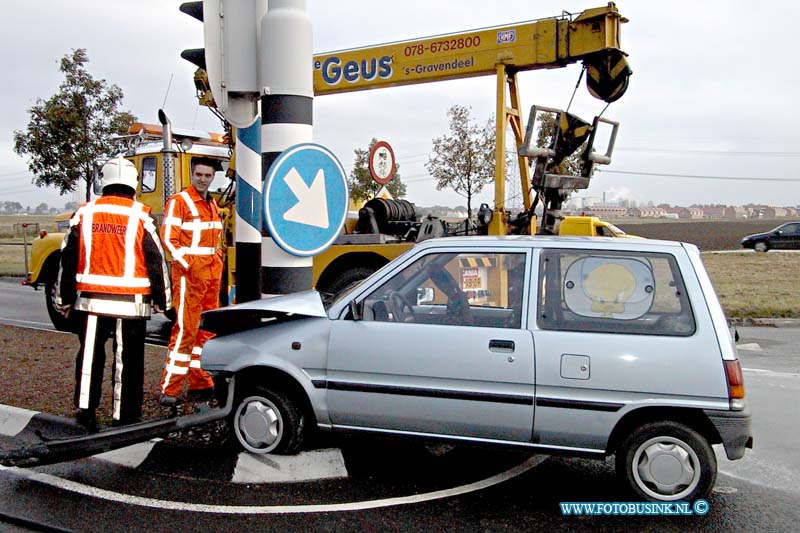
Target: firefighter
191,234
113,271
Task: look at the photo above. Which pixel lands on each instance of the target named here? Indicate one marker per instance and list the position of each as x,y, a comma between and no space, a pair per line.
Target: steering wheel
398,305
458,310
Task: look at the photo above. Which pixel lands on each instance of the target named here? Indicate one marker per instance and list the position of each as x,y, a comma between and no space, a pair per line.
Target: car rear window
613,292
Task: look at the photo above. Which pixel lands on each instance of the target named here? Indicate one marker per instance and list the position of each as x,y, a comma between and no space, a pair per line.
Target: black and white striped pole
287,94
248,212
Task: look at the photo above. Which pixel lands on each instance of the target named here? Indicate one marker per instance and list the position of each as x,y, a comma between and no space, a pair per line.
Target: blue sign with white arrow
305,199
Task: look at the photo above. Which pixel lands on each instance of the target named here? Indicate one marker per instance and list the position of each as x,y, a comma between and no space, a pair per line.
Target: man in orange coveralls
191,234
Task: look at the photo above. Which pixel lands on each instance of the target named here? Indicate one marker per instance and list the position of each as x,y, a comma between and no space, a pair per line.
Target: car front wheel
268,421
761,246
667,461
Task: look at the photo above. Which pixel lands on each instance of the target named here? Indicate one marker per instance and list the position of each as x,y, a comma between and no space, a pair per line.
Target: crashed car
786,237
588,346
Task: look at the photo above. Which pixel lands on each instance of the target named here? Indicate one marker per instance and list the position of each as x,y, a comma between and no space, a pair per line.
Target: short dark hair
207,161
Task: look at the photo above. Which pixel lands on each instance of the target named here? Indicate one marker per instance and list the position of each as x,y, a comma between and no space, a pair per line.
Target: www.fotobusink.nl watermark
699,507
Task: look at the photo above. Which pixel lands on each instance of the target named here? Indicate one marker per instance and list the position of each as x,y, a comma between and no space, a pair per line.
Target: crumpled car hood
258,313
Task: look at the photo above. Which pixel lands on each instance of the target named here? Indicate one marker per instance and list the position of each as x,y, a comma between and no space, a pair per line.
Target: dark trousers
127,370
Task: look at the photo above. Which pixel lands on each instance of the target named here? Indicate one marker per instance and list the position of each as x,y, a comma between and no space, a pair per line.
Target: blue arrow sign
305,199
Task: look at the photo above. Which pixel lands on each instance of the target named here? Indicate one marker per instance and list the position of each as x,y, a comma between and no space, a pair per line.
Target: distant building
713,212
735,212
607,210
646,212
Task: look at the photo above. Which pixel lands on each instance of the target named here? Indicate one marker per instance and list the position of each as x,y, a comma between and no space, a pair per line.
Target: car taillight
43,234
733,371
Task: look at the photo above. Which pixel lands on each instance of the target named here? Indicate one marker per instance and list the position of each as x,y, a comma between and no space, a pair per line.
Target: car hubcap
666,468
258,425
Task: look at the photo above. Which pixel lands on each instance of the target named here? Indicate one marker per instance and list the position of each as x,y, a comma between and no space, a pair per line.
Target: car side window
613,292
791,228
460,289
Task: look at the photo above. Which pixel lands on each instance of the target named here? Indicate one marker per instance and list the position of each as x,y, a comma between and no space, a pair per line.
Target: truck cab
590,226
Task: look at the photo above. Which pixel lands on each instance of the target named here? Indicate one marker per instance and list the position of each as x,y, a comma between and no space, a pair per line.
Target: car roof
550,241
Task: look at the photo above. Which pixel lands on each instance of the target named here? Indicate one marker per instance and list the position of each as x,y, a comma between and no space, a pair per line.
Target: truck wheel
667,461
267,421
346,279
761,246
59,321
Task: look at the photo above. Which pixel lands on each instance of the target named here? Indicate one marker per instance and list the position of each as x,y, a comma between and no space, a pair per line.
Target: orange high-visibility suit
191,234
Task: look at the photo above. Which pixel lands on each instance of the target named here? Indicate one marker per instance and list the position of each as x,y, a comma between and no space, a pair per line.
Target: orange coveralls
191,234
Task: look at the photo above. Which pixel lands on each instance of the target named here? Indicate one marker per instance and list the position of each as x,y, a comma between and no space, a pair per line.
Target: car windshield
616,230
328,300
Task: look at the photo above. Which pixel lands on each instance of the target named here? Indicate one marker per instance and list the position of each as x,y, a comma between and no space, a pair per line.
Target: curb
23,427
767,322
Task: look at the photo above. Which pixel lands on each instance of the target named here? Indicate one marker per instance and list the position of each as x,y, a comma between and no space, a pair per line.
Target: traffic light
229,57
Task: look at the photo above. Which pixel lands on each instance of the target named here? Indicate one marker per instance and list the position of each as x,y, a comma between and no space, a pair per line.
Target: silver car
581,346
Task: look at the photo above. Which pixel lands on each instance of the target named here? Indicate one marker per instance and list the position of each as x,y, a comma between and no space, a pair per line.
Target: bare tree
463,160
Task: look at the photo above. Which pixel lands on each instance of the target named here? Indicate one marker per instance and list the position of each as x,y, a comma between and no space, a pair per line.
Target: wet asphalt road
760,492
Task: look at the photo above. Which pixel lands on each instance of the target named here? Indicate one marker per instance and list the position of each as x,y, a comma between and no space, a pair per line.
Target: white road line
751,346
27,323
126,499
770,372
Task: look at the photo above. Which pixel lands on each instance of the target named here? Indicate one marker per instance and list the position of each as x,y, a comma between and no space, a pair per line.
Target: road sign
305,199
381,162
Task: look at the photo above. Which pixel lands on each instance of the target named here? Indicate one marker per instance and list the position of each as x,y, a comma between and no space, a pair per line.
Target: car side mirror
356,310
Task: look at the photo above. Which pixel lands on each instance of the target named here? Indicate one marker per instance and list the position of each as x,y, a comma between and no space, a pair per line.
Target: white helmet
119,171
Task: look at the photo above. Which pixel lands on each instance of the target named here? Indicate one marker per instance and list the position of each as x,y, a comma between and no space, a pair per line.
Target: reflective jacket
191,226
112,261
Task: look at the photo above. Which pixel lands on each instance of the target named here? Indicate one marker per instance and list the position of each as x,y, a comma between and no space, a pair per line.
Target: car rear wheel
268,421
761,246
667,461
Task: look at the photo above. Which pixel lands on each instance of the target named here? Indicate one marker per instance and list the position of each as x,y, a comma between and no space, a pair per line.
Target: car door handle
501,346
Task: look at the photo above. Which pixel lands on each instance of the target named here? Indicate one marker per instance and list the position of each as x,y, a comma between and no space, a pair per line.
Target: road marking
141,501
752,346
771,372
27,323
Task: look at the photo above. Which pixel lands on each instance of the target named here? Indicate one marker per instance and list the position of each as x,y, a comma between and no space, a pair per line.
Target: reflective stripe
197,350
135,211
117,397
189,203
171,369
195,363
179,357
175,370
199,225
112,281
199,250
88,357
177,255
172,221
116,308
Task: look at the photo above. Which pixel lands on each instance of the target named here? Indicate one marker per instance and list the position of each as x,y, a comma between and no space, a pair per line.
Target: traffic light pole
287,95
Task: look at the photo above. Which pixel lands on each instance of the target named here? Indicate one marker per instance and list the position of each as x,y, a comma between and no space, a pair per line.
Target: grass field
749,285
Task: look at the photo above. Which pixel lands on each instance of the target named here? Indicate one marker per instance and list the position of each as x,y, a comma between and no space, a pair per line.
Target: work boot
200,395
86,418
166,400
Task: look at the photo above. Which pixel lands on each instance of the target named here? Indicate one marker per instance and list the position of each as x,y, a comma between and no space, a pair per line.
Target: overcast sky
713,91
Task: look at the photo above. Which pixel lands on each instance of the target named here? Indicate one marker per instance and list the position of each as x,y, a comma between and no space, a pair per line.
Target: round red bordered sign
381,162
